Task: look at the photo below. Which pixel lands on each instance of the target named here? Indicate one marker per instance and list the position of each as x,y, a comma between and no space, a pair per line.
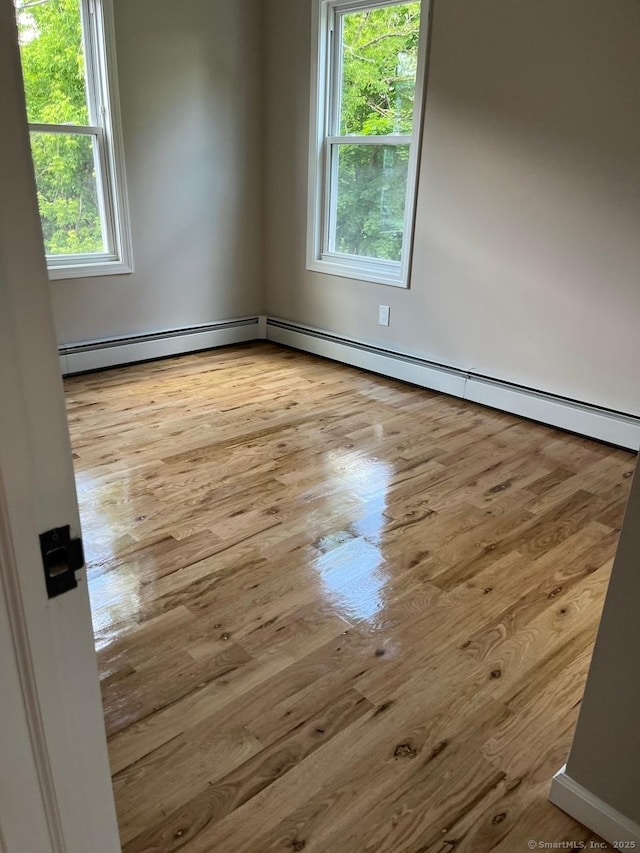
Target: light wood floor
335,613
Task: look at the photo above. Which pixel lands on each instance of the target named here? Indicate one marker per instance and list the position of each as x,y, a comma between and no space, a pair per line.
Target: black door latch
62,557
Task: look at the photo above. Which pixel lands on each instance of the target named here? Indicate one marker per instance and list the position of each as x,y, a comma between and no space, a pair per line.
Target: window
70,87
365,137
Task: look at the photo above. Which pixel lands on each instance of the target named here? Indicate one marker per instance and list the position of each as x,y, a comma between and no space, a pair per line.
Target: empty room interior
346,302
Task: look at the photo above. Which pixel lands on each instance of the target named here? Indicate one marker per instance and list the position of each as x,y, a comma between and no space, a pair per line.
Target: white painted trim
71,129
105,24
316,129
88,270
359,354
12,597
39,493
602,424
322,138
104,106
591,421
593,812
355,271
582,418
110,352
391,139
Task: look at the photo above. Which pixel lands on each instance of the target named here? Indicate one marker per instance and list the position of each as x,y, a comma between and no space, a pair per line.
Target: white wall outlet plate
383,315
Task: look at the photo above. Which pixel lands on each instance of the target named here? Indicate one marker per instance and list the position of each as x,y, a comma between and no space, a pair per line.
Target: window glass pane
53,65
68,193
371,184
379,62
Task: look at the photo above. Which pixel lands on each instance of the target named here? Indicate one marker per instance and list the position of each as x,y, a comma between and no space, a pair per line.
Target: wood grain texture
333,612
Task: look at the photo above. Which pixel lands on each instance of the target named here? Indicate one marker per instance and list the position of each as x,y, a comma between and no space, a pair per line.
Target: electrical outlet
383,315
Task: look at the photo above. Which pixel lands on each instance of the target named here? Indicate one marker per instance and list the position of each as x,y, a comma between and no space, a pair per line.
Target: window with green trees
365,144
62,48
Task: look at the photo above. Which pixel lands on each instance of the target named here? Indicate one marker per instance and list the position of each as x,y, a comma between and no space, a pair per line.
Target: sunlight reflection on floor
354,572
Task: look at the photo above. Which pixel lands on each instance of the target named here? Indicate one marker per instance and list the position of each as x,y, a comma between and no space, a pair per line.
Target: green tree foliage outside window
379,62
53,67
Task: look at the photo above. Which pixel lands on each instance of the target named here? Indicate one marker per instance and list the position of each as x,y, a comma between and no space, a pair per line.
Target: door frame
25,740
52,737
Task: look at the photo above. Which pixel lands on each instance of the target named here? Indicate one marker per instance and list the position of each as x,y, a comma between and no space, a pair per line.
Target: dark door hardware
62,557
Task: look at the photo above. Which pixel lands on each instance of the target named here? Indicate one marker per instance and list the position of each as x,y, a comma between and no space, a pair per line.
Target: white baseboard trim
582,418
593,812
111,352
359,354
612,427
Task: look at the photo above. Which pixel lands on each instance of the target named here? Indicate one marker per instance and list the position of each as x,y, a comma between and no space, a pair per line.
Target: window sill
88,270
359,272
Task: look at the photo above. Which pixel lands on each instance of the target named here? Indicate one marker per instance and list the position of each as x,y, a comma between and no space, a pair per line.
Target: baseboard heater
593,421
127,349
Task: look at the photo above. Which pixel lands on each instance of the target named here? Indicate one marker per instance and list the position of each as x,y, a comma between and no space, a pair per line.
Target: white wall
190,78
527,255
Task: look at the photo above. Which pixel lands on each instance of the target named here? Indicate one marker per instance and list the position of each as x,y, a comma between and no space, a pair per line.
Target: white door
55,787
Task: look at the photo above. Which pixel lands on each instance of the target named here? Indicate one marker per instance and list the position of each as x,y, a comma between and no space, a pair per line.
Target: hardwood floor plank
175,773
334,612
344,782
216,801
163,682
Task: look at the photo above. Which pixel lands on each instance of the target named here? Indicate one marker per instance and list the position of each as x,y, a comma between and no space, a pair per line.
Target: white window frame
325,80
105,128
